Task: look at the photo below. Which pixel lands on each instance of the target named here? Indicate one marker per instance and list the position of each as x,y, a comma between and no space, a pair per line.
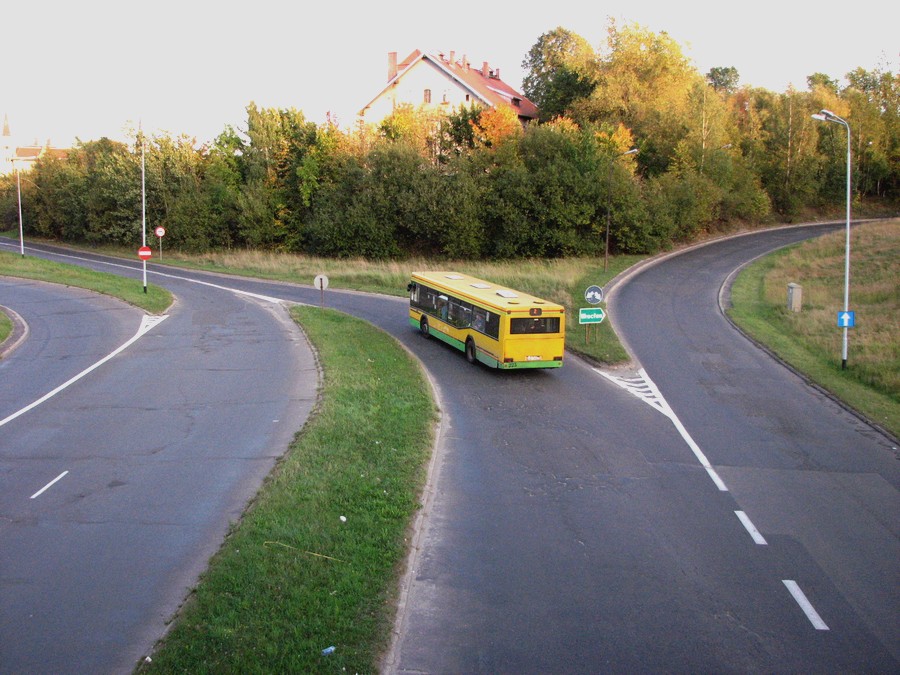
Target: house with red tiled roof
23,157
443,82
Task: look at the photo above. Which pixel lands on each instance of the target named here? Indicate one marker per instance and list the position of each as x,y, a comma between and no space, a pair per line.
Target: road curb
17,336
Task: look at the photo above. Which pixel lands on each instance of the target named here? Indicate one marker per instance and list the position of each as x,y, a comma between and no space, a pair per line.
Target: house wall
446,94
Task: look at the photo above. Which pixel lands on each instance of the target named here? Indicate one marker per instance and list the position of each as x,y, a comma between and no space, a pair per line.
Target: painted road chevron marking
638,386
645,389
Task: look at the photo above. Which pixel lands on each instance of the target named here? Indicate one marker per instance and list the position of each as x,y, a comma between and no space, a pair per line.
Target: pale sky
93,68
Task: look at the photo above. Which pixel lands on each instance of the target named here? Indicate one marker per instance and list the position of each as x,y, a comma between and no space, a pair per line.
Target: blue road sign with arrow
846,319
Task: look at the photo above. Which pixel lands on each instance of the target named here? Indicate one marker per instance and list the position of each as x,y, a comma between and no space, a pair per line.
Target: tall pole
21,229
143,208
828,116
846,257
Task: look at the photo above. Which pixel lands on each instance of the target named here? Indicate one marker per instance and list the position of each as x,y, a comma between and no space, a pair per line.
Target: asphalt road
576,522
154,454
590,524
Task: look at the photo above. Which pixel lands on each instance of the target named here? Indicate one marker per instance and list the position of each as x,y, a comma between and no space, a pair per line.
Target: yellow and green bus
493,324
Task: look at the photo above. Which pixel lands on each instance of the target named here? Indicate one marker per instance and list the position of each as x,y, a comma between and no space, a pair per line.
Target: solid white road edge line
49,485
147,323
266,298
805,605
751,528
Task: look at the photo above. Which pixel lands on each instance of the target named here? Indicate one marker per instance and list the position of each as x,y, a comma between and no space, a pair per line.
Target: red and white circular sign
160,232
144,253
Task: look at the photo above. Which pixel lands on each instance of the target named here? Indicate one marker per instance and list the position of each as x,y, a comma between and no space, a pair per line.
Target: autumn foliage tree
474,182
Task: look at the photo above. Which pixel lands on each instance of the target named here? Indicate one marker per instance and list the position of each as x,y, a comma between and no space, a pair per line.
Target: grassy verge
293,577
560,280
5,326
156,300
810,340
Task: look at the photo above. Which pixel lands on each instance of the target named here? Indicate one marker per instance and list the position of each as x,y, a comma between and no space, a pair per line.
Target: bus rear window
534,325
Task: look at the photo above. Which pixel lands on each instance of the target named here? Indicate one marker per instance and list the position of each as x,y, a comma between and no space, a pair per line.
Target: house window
428,96
467,98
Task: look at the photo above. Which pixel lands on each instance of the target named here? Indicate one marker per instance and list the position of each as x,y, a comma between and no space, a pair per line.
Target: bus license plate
532,358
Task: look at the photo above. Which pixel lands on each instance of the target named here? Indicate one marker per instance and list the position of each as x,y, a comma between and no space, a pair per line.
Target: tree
56,205
874,108
820,80
496,124
456,132
645,83
560,69
788,163
723,79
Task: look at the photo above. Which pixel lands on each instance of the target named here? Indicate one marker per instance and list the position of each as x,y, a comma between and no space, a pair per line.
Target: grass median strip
5,326
315,560
156,300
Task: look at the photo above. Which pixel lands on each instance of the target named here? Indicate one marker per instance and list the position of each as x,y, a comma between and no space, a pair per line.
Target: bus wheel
470,350
423,326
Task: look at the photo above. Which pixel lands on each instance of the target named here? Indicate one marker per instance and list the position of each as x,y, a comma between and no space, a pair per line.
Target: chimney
484,69
392,65
452,57
497,73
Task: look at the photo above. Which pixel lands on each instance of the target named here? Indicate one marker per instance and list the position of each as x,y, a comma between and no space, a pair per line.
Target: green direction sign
591,315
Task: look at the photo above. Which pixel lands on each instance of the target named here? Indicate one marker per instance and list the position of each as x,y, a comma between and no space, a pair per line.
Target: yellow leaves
495,124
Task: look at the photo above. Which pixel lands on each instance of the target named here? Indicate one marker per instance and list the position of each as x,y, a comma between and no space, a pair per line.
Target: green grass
561,280
291,578
156,300
5,326
810,340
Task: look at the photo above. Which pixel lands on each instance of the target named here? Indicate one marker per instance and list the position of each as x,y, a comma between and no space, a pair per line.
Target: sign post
588,316
160,233
321,282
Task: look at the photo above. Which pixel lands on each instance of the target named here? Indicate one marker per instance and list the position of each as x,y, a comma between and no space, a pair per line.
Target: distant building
441,82
22,157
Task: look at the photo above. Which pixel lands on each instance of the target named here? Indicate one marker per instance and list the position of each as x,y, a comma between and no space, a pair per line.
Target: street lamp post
21,229
143,209
609,200
828,116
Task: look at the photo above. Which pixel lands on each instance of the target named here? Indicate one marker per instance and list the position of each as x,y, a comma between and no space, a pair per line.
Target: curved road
115,492
580,521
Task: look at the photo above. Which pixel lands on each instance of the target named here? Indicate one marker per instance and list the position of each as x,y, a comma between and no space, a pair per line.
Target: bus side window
427,299
492,326
479,319
460,313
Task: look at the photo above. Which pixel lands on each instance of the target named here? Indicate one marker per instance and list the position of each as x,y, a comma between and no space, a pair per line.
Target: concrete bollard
794,297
